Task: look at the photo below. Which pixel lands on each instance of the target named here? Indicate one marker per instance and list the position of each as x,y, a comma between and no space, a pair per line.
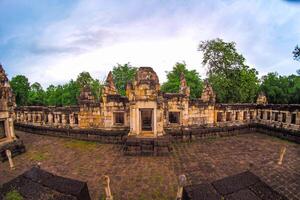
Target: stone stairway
135,146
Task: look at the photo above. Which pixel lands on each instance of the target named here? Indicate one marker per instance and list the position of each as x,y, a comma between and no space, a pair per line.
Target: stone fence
183,134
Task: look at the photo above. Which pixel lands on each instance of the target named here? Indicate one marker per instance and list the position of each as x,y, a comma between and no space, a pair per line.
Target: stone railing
59,117
278,120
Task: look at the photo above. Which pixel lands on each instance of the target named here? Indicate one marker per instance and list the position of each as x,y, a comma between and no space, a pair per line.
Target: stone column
11,128
29,117
138,121
63,119
50,118
155,121
33,117
72,120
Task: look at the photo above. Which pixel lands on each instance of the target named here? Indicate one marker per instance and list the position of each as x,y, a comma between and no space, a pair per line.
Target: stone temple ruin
8,139
146,113
145,122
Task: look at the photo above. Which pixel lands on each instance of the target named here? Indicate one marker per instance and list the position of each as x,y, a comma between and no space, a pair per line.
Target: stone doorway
2,130
146,119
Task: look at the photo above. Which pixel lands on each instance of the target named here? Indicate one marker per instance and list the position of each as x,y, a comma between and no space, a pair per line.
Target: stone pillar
11,128
33,117
72,120
50,118
29,117
154,122
39,118
63,119
138,121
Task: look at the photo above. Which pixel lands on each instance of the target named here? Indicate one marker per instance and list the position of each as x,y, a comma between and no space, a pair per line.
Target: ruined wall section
285,116
114,112
234,114
59,117
176,104
201,113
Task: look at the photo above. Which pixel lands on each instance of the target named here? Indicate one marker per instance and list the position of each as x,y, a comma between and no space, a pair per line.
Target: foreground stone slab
16,147
39,184
243,186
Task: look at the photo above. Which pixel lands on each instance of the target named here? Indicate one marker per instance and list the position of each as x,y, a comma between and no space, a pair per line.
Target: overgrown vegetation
37,156
81,145
232,80
13,195
192,77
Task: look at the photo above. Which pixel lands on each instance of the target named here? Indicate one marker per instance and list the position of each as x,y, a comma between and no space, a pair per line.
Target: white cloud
96,36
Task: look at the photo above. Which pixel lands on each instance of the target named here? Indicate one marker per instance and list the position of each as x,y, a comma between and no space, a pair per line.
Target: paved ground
156,177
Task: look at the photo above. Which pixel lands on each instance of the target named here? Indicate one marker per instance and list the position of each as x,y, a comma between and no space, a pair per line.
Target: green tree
96,87
192,77
296,54
122,74
71,91
281,89
36,95
52,96
84,78
232,80
20,86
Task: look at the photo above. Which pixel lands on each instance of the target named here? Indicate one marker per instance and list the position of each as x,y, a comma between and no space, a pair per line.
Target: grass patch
81,145
13,195
37,156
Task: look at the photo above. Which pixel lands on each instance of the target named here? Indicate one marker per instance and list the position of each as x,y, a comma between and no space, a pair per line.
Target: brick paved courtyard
156,177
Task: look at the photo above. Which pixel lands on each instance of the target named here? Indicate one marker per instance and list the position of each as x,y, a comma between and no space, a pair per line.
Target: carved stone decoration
208,95
109,87
262,99
8,140
281,155
181,183
9,156
106,184
86,95
184,88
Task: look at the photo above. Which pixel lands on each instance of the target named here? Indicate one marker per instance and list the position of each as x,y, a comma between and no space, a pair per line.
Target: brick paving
156,177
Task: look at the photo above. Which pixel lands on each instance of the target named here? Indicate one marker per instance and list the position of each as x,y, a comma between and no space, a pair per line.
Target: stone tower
8,139
208,95
146,112
109,87
262,99
184,88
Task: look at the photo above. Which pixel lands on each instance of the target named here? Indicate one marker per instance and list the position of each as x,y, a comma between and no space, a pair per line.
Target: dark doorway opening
174,117
2,130
146,119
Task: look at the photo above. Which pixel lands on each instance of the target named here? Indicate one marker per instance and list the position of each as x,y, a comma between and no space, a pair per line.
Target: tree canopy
60,95
21,87
281,89
296,54
192,77
122,74
232,80
36,95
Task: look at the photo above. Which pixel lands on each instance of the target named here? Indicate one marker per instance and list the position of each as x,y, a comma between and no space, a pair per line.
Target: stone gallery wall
198,115
169,112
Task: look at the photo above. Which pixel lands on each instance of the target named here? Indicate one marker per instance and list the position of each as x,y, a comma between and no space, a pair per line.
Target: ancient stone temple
8,139
147,112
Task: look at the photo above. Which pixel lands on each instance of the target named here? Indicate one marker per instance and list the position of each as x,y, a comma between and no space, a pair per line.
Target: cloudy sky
51,41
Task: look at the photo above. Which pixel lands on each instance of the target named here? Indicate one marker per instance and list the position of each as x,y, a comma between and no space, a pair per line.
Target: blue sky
52,41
